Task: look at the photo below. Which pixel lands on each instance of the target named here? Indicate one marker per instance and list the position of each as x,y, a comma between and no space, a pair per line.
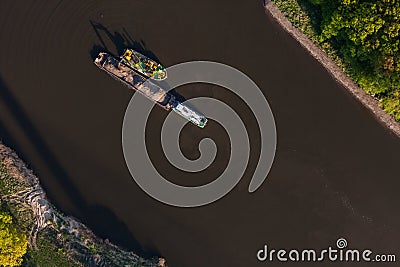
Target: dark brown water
336,172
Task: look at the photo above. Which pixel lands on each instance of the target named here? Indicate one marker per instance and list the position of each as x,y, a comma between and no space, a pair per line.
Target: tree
391,104
13,245
367,35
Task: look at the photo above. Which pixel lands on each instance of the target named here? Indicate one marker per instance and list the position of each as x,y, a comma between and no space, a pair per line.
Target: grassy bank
47,251
361,37
52,239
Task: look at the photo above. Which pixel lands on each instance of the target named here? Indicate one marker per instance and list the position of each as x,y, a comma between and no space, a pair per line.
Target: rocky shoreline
335,71
76,242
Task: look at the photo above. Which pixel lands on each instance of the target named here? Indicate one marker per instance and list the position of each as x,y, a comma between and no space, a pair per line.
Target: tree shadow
114,230
32,134
101,219
314,12
6,138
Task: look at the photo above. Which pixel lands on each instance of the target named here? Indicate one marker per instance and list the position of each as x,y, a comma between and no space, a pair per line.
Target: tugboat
189,113
144,65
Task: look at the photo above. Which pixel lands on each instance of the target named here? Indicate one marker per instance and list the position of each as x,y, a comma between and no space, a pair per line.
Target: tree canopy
366,34
13,245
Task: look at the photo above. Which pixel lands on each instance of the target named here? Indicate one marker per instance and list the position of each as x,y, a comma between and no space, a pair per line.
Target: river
335,174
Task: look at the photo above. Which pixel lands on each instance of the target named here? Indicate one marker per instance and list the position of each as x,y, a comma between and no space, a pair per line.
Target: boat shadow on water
15,122
120,41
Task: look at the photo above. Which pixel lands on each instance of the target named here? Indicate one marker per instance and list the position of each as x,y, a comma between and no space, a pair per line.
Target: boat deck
134,80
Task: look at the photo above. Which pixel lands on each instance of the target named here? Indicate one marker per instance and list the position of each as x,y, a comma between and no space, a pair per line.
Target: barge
135,80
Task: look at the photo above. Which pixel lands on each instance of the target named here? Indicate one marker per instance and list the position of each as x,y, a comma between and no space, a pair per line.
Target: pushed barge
136,81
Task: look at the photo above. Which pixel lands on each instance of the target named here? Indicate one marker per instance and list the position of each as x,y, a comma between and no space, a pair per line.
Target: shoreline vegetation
302,19
48,237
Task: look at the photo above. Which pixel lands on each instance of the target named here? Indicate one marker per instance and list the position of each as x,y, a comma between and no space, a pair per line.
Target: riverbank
54,239
332,65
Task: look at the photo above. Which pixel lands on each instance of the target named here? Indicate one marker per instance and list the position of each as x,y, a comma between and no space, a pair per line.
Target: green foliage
361,36
367,34
8,184
13,245
391,104
49,252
